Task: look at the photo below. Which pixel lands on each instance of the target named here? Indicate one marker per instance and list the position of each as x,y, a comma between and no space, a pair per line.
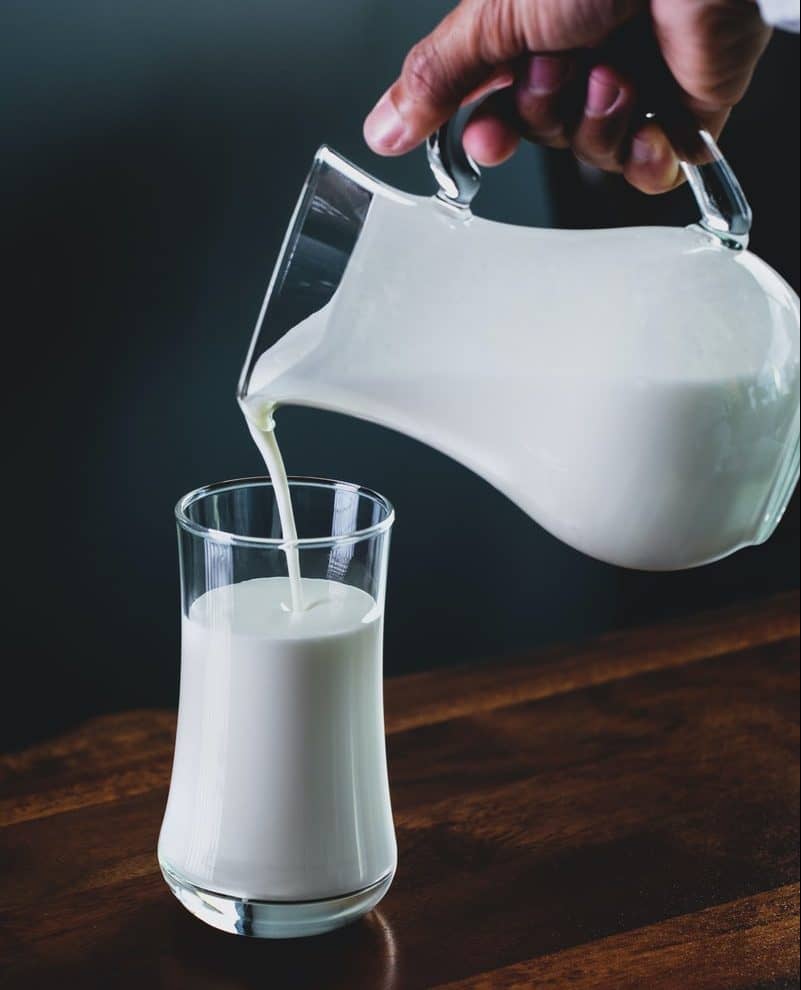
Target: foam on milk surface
279,787
262,607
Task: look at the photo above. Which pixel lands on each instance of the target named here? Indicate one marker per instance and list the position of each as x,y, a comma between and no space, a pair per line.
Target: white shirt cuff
781,13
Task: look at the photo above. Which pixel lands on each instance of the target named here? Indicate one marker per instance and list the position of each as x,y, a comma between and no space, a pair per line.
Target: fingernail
642,151
384,128
601,96
547,74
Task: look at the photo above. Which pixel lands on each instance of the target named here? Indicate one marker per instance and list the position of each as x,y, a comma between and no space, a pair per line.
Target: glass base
274,919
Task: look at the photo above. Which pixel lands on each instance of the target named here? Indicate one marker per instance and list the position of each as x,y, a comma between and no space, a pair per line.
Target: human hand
558,74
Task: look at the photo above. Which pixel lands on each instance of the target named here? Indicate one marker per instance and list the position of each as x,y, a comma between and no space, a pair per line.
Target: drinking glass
278,821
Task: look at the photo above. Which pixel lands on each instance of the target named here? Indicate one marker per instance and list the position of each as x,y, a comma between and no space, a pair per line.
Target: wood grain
703,950
617,813
421,699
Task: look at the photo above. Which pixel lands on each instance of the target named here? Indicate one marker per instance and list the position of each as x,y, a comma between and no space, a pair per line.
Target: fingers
711,50
652,165
539,106
482,44
491,136
437,75
464,51
602,135
543,99
682,126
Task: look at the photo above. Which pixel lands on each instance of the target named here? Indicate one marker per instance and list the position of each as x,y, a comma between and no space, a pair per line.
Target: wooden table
621,813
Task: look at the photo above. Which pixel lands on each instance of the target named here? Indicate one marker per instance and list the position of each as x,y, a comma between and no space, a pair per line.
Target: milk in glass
281,713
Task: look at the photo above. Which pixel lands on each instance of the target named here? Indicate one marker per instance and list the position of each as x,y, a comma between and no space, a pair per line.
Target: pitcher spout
325,226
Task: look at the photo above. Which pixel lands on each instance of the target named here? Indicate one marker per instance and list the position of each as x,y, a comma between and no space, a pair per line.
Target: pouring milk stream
263,432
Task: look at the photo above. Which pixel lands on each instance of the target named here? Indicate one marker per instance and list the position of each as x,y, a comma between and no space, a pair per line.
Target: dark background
151,156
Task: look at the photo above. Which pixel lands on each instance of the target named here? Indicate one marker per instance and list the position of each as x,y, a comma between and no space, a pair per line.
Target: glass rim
277,542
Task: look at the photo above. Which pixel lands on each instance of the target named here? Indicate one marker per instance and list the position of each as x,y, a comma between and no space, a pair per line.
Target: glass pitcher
634,390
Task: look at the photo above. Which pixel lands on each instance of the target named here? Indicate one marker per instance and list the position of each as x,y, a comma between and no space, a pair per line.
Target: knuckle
721,49
424,74
538,113
596,151
497,29
721,89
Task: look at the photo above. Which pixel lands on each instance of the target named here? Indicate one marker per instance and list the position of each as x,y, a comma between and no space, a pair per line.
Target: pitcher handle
724,209
725,212
457,175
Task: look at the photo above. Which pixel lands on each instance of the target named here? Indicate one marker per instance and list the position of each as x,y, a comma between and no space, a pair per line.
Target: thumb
468,48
